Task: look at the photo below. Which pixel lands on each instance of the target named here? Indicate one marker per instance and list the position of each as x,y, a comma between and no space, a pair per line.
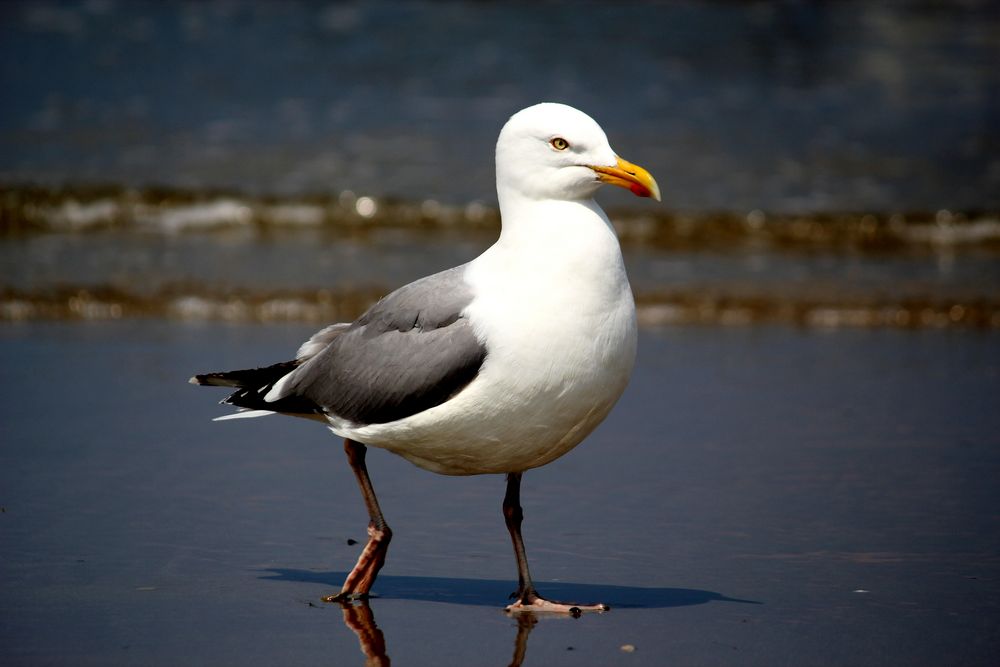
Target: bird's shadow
495,592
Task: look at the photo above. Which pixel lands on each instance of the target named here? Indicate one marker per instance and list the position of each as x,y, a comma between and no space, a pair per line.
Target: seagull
500,365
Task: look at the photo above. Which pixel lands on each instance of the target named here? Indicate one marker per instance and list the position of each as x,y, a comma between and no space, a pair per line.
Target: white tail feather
245,414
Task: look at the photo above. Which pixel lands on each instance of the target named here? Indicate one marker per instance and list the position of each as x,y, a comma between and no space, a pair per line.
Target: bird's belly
541,391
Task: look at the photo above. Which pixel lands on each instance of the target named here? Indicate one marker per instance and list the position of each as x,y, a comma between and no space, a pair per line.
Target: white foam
74,216
203,215
294,215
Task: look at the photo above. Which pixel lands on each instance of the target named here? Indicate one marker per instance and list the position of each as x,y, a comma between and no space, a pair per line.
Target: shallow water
332,273
761,495
823,165
79,253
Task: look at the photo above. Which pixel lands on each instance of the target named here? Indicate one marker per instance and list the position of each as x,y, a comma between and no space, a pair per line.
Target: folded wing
411,351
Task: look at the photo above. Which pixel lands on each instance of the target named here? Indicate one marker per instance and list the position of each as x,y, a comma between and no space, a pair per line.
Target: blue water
783,106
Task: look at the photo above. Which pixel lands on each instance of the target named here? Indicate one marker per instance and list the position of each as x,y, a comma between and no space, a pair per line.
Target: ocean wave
167,211
31,209
655,308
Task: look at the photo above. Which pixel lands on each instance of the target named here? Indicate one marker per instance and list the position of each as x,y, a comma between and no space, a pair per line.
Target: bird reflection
525,622
360,619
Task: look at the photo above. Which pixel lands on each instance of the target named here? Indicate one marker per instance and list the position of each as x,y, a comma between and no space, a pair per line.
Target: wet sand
762,495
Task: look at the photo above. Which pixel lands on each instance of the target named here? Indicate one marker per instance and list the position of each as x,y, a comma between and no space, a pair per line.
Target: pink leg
359,581
528,600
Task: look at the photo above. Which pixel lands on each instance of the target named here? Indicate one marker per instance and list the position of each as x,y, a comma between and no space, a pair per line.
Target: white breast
555,309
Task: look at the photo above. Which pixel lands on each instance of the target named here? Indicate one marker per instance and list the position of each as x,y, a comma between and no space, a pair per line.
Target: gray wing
409,352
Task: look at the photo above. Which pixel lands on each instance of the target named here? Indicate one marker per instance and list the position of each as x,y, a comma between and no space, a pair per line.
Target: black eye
559,144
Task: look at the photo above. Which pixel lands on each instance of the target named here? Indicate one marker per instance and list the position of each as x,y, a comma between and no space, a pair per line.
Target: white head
553,151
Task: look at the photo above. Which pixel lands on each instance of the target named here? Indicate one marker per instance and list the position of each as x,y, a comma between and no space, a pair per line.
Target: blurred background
812,425
821,163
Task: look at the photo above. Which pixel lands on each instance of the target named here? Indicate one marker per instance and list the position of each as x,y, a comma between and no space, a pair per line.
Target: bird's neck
556,242
552,224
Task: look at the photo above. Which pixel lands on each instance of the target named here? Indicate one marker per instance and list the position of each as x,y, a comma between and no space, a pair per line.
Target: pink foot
532,602
359,581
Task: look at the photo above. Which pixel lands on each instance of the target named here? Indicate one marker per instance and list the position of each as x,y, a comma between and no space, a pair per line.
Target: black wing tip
247,377
252,385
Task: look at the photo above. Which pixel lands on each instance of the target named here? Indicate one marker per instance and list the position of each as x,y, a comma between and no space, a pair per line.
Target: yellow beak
629,176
